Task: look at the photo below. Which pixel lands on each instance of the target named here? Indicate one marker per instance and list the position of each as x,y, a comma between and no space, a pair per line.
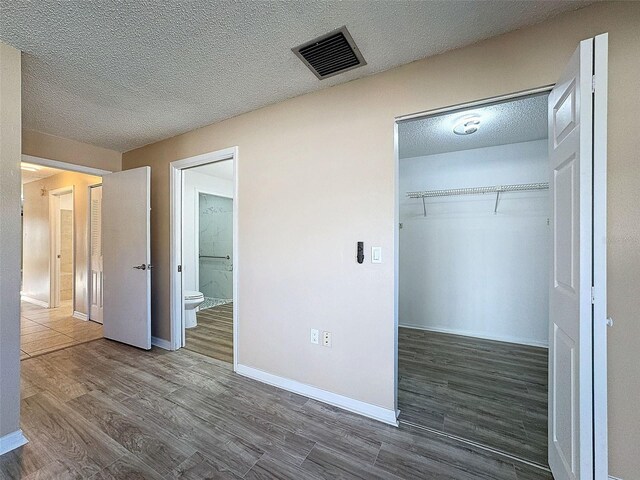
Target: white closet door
571,140
96,267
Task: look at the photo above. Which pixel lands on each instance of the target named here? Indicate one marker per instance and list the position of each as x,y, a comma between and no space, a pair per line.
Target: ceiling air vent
330,54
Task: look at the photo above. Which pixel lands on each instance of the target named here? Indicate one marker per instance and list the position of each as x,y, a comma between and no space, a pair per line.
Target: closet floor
213,336
488,392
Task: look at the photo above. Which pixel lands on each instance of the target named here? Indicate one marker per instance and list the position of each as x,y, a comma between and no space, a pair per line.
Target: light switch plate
376,254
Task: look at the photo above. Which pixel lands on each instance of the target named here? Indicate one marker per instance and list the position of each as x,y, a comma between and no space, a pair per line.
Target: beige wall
10,126
36,240
317,175
70,151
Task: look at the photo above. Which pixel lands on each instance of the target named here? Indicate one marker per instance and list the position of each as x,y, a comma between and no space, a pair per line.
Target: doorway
459,387
55,226
473,274
204,254
61,213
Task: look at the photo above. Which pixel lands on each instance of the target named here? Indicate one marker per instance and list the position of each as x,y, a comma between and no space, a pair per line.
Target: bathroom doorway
61,232
204,252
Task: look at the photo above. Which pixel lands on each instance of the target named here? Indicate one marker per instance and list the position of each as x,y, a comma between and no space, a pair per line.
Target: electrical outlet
315,336
326,339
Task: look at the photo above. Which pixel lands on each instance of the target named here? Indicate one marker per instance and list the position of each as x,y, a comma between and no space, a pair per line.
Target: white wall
195,182
465,270
10,147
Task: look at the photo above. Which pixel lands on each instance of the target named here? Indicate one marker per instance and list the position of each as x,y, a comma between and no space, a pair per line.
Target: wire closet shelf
497,189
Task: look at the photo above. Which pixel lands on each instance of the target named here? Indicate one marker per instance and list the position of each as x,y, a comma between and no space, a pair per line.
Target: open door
579,268
126,254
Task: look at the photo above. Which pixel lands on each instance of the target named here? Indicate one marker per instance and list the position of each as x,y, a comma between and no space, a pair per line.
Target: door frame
69,167
89,232
54,245
175,228
600,321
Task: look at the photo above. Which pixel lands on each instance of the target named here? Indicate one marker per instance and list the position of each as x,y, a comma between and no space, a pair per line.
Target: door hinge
593,295
179,268
593,83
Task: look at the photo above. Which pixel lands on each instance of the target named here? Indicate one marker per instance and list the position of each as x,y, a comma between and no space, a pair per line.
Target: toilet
192,300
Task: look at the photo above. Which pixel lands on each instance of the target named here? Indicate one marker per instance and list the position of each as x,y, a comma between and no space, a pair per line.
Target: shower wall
215,240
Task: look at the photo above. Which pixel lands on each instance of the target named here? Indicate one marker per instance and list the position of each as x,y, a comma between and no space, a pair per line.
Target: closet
474,246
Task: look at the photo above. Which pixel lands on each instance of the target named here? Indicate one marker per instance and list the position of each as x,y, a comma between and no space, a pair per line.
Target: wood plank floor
44,330
213,336
493,393
103,410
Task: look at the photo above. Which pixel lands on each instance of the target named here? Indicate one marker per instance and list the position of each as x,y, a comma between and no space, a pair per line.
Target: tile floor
44,330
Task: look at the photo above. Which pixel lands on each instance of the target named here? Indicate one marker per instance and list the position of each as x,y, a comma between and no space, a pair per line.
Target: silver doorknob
609,322
140,267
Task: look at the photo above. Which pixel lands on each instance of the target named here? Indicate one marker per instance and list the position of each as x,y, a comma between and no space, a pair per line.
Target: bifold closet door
571,334
126,206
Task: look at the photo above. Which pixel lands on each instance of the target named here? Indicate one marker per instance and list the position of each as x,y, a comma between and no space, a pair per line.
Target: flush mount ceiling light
28,167
467,125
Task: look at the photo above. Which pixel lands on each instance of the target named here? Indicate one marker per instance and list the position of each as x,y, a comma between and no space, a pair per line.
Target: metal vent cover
330,54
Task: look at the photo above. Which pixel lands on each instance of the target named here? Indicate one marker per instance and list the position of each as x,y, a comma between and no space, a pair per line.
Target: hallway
44,330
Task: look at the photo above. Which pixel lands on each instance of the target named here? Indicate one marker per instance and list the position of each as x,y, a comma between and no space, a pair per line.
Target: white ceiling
40,172
122,74
516,121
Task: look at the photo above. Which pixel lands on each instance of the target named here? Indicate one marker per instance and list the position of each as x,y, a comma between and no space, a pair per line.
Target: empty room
319,239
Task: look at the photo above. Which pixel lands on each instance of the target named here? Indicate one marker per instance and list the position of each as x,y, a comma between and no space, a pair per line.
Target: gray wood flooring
492,393
102,410
213,336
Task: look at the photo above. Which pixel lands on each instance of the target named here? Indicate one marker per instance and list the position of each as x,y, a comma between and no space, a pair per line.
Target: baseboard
468,333
35,301
80,315
11,441
161,343
381,414
611,477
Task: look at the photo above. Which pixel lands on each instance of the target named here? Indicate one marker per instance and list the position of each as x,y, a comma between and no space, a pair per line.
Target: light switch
376,254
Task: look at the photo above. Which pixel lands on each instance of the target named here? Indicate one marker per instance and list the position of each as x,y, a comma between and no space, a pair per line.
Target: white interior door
55,297
126,206
571,354
96,296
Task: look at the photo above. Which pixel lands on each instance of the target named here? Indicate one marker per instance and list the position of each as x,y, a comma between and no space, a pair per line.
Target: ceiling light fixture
467,125
28,167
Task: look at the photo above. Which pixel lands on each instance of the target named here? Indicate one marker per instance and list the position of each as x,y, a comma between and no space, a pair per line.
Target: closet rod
478,190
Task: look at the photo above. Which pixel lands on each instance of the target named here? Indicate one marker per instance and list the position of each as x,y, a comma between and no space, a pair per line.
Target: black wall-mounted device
360,252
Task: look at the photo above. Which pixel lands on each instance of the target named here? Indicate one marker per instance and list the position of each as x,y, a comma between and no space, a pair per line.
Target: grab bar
214,256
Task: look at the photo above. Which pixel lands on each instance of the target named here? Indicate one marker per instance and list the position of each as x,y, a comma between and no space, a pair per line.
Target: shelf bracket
424,207
495,208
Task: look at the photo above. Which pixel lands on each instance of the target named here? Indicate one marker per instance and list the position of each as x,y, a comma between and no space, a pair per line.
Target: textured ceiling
122,74
516,121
